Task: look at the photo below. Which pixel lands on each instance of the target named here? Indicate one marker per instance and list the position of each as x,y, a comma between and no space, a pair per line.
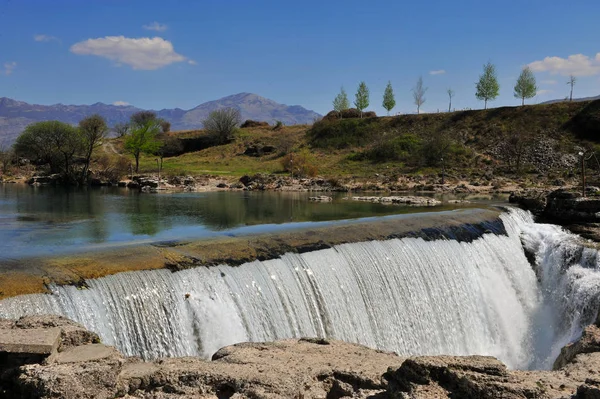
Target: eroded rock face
304,368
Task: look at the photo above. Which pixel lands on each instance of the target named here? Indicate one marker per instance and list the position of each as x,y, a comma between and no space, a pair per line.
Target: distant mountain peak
16,115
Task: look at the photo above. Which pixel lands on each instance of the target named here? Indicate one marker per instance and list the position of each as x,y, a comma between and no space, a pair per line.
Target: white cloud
9,67
543,91
143,53
155,26
576,64
549,82
192,62
120,103
437,72
45,38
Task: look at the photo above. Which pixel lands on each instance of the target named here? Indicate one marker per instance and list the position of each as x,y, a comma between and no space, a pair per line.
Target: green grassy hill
537,140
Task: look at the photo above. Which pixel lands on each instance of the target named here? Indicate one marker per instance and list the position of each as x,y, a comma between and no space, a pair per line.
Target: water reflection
48,220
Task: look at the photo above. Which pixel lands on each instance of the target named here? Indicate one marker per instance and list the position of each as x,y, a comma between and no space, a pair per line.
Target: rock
222,185
476,377
588,343
321,198
531,200
258,150
407,200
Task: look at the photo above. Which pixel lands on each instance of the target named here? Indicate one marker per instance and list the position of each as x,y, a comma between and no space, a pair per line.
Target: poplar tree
388,98
525,86
362,97
340,102
419,94
450,95
487,86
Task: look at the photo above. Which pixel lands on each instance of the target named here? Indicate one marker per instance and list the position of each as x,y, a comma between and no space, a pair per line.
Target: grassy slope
339,146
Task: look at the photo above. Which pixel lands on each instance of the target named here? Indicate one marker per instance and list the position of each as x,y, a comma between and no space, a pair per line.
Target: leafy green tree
93,131
525,86
362,97
341,103
222,124
52,143
487,86
419,94
142,139
389,102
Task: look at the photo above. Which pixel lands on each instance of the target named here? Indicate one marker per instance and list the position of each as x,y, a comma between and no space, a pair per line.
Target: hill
537,143
16,115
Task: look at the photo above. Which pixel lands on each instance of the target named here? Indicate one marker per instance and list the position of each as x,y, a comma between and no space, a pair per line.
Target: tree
419,94
525,86
340,102
142,117
389,102
6,157
362,97
142,139
121,129
165,126
450,95
92,130
571,82
222,124
487,86
51,143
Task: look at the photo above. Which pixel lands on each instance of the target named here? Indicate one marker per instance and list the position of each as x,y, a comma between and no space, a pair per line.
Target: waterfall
411,296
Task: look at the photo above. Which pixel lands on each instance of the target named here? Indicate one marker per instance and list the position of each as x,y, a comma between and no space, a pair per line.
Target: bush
222,124
278,125
348,114
302,164
251,123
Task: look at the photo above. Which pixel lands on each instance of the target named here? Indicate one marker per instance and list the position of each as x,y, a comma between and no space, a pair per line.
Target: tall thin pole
158,166
583,175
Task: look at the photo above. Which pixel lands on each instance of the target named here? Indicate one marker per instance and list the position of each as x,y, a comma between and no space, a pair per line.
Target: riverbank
75,365
33,275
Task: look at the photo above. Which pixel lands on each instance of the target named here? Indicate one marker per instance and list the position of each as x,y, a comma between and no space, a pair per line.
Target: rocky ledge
77,366
570,209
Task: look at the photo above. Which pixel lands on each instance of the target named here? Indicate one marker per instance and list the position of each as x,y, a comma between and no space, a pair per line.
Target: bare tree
92,131
121,129
419,94
571,82
222,124
450,95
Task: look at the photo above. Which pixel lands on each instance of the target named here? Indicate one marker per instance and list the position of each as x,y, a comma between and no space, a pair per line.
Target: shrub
165,126
251,123
302,164
222,124
278,125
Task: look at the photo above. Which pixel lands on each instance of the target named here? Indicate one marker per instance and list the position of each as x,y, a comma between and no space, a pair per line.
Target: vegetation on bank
540,141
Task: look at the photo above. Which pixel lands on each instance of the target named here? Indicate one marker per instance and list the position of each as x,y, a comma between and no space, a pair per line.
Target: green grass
406,144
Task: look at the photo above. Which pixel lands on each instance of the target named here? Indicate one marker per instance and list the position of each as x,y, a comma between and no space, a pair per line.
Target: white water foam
407,295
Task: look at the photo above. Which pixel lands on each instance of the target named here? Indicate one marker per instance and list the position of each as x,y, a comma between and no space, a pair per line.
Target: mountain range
16,115
574,100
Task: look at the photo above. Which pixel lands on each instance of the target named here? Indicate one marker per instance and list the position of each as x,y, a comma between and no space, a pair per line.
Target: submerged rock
406,200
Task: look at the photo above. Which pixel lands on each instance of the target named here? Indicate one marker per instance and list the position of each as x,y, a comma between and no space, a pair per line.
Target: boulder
588,343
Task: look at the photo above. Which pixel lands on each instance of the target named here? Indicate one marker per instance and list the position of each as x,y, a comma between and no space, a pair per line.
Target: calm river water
45,220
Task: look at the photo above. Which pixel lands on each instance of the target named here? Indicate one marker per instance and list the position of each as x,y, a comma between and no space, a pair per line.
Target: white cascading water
407,295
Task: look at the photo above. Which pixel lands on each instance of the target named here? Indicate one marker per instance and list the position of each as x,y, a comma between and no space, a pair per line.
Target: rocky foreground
64,360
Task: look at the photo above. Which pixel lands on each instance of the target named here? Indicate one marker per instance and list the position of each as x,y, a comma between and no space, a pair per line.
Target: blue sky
167,54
